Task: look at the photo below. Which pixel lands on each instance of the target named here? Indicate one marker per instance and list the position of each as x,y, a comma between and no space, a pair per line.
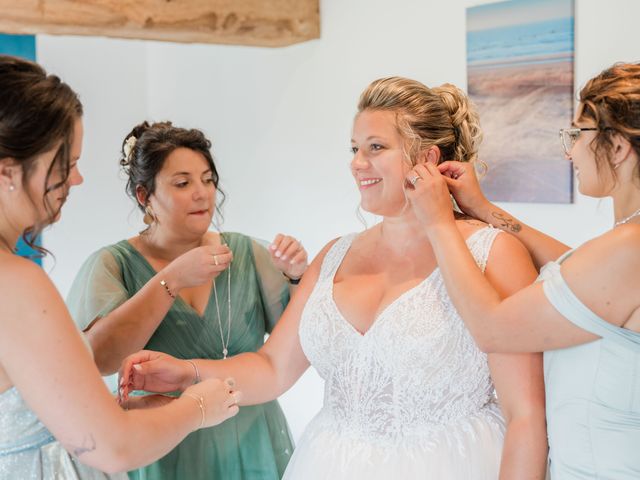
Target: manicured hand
153,372
219,397
197,266
463,184
288,255
428,195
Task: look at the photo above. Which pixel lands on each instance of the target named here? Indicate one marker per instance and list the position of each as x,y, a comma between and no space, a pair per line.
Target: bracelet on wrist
292,281
200,401
196,379
166,287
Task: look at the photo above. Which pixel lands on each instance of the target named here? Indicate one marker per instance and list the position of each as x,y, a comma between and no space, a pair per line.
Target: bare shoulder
27,295
17,271
617,249
23,284
468,226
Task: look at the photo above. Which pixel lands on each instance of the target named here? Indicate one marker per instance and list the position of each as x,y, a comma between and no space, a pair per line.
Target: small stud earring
12,187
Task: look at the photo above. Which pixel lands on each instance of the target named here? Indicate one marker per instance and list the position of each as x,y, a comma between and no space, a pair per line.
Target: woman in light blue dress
57,418
584,312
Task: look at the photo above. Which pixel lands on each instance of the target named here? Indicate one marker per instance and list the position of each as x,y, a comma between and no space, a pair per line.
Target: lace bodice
416,369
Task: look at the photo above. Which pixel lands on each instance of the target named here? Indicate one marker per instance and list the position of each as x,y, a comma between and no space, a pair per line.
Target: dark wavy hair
37,112
154,143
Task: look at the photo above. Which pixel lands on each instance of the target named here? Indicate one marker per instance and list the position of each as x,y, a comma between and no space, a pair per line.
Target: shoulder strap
480,242
334,256
565,301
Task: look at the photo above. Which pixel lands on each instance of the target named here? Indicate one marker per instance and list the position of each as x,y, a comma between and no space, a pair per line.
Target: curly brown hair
441,116
612,101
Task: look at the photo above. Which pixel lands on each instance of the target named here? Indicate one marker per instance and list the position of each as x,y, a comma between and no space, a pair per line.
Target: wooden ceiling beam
267,23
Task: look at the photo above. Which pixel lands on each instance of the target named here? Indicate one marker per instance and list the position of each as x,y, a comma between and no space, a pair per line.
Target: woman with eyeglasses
584,312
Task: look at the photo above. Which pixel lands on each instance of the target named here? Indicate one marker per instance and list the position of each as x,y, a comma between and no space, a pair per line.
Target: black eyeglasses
569,136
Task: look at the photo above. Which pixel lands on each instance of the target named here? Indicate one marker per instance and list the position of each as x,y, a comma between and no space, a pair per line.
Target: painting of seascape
520,76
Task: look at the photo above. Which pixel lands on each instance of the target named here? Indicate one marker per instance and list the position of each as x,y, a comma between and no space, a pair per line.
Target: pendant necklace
225,343
626,219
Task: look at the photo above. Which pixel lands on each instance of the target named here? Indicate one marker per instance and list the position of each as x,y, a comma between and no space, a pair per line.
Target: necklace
225,344
626,219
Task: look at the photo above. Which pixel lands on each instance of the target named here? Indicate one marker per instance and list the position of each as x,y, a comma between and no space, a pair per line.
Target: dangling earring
149,216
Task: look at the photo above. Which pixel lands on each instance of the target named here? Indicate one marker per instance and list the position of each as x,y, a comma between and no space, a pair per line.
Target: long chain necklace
626,219
225,344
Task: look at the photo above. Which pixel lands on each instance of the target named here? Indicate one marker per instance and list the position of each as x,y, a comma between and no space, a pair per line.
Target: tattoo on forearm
88,445
507,223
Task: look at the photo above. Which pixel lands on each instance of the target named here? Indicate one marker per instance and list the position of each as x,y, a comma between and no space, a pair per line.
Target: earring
149,216
615,167
12,187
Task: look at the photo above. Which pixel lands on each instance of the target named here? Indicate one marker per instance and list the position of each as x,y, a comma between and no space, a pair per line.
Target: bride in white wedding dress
407,392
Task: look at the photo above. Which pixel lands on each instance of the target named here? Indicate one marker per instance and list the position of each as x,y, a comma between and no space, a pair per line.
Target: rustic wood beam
268,23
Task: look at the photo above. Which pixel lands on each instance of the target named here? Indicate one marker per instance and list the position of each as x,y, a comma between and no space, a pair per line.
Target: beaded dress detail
411,398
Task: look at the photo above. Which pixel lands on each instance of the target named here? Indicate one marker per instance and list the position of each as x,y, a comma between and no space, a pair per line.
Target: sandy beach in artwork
522,104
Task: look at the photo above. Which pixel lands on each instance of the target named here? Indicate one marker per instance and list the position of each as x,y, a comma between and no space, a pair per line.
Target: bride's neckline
380,316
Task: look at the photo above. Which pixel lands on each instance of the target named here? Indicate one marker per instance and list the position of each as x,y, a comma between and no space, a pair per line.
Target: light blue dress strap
565,301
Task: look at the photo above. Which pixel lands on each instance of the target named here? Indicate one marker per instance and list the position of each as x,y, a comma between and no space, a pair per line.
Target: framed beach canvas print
520,76
21,46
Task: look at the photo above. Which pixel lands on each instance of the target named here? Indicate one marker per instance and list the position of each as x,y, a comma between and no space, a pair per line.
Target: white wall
280,121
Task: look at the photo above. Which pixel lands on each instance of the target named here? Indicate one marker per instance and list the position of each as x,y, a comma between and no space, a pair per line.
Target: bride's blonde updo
442,116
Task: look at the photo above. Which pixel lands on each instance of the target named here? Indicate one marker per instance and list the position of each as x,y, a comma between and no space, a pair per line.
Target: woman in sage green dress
181,289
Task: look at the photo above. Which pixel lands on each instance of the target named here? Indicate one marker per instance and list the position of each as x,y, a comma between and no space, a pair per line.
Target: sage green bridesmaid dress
254,445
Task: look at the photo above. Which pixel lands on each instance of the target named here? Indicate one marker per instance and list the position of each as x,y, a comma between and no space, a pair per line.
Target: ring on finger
413,180
215,260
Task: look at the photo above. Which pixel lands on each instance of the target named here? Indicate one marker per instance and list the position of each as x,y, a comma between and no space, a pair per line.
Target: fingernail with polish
278,254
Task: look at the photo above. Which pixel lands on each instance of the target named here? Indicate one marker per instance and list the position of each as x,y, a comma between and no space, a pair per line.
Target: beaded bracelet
200,401
166,287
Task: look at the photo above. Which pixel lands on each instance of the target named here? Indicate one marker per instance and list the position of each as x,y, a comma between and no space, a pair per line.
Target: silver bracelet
195,367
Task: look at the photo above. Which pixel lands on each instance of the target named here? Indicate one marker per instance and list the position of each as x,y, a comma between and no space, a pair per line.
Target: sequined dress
29,452
412,398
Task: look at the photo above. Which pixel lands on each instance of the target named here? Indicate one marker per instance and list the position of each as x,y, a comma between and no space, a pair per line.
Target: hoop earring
149,216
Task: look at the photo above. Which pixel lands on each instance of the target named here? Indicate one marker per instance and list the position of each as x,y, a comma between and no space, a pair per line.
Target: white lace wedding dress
410,399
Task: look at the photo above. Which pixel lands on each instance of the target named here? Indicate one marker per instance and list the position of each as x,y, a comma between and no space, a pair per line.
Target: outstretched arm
463,185
261,376
45,358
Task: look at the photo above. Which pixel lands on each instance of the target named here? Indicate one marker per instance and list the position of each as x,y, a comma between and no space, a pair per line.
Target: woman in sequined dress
57,418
